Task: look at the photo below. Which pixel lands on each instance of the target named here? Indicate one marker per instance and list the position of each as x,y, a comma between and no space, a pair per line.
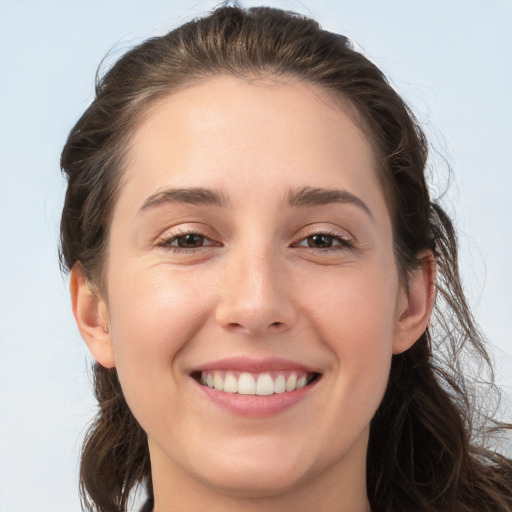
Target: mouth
259,388
259,384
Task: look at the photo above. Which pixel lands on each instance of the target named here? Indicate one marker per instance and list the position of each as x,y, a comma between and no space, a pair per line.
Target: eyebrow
194,195
306,196
309,196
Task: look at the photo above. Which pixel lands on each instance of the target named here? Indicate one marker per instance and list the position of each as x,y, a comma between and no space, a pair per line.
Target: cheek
354,304
152,319
361,339
355,317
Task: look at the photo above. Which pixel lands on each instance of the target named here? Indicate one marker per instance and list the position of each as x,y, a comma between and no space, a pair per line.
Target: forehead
226,132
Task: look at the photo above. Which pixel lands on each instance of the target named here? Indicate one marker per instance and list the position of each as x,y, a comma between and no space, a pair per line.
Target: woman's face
251,250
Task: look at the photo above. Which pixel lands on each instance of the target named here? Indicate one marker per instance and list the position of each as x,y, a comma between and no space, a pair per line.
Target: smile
262,384
255,387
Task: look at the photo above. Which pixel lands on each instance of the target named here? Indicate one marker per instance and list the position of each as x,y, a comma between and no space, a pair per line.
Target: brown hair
423,452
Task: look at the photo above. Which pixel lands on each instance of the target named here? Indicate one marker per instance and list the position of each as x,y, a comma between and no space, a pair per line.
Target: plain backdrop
451,60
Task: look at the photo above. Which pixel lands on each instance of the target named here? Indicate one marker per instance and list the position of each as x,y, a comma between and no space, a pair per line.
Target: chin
256,481
261,468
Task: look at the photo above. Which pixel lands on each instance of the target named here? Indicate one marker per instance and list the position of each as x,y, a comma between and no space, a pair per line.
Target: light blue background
450,59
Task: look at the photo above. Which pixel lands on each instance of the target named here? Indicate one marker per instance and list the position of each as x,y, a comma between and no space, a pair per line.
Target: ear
415,304
90,312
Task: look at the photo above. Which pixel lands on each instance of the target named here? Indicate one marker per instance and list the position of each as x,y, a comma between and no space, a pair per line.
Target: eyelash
342,242
166,243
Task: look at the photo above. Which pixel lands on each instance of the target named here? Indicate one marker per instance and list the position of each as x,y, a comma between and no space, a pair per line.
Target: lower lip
256,405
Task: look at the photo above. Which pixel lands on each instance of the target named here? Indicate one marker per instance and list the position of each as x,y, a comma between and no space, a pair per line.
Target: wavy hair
427,449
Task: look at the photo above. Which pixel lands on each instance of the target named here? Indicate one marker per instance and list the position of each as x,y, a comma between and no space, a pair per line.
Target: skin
256,288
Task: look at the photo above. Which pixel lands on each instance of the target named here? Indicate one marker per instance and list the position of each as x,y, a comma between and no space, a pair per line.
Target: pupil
190,240
320,241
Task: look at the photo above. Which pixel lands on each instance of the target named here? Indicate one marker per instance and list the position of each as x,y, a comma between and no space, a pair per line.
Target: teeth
217,381
280,384
246,383
291,382
230,383
301,382
265,385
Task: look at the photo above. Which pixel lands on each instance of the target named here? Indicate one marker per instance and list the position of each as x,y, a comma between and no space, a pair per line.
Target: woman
254,262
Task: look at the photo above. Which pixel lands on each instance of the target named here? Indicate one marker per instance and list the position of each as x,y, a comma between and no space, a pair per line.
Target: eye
325,241
320,241
187,241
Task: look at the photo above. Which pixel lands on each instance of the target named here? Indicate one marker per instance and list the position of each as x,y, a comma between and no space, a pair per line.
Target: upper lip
252,365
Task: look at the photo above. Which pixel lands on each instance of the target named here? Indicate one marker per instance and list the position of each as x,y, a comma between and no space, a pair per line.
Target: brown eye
320,241
190,241
325,242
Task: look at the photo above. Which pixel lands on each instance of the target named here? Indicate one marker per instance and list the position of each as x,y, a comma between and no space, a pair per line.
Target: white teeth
301,382
217,381
265,385
230,383
291,382
249,384
246,384
280,384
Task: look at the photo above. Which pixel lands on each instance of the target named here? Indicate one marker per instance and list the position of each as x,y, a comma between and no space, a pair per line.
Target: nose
256,297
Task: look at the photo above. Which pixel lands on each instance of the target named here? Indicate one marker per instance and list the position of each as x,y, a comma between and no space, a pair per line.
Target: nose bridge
254,295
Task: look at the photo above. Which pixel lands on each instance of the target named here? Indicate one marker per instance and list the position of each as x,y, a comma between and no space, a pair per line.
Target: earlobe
414,312
91,316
